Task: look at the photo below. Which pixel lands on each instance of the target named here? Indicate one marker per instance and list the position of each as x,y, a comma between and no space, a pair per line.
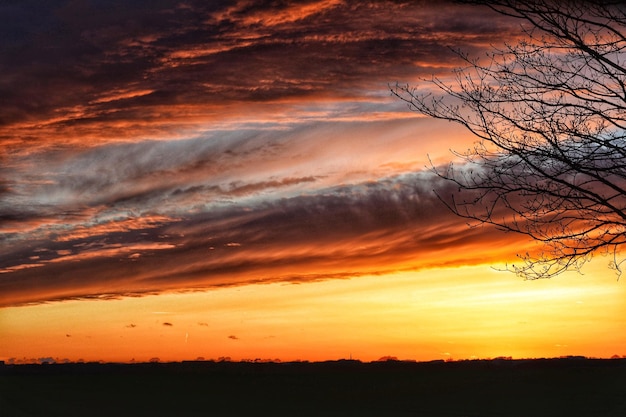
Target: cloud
119,71
180,146
339,232
167,324
117,187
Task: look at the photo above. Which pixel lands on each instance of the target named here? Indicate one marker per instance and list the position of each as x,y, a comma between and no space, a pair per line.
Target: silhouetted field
520,388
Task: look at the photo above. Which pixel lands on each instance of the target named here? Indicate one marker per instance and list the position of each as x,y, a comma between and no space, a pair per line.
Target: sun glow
460,313
236,180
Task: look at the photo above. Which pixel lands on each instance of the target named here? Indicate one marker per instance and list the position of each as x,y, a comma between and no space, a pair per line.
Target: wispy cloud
175,66
195,144
344,231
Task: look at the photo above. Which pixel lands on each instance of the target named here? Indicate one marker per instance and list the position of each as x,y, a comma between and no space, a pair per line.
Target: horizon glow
240,172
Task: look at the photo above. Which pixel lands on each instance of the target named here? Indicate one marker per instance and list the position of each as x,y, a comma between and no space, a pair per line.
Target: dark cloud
162,145
72,65
166,324
340,232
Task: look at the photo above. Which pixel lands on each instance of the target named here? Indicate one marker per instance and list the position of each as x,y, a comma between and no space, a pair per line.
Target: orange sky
459,313
190,164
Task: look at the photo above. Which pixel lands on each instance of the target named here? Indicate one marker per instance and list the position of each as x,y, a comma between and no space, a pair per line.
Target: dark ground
521,388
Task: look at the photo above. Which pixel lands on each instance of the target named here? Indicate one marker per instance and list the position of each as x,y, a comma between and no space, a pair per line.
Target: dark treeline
541,387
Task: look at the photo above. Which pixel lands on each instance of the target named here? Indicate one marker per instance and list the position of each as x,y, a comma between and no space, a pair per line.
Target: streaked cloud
115,71
381,226
185,145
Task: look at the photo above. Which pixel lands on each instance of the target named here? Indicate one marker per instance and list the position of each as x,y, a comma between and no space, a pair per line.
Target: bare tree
549,113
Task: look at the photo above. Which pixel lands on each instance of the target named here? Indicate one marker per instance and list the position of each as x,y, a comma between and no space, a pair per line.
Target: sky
184,179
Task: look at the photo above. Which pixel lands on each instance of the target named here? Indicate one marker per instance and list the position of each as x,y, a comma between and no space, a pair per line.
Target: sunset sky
184,179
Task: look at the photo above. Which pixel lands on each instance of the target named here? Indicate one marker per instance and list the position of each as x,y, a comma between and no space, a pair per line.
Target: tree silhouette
549,113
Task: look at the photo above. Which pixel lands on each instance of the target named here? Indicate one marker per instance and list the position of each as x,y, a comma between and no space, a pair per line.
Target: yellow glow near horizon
462,313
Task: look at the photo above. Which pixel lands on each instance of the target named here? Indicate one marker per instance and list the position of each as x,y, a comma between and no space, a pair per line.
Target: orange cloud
346,231
114,226
218,144
175,71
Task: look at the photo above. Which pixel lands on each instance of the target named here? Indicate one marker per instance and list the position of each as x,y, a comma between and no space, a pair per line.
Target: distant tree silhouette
388,359
549,113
